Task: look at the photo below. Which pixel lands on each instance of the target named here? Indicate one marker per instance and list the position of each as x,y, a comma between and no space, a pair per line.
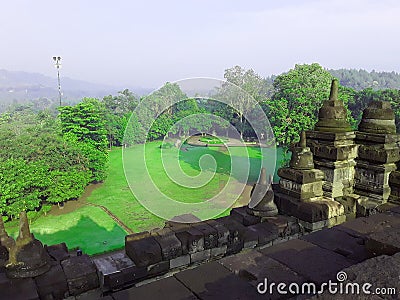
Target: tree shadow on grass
86,235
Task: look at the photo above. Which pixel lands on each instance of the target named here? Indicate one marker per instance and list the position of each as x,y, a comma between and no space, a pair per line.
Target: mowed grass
92,230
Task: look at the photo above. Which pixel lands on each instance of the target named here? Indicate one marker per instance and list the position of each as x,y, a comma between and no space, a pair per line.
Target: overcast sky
146,43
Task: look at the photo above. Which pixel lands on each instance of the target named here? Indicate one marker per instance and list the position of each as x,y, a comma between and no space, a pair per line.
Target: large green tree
83,125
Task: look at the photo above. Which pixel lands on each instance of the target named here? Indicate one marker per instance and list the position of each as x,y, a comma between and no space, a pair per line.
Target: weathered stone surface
286,225
17,289
308,260
236,234
210,234
372,180
81,274
220,251
213,281
171,246
301,191
242,216
394,183
381,272
314,211
192,240
262,198
222,231
52,284
200,256
161,289
254,267
133,273
265,232
58,252
143,251
378,117
301,176
332,116
386,242
180,261
362,227
158,268
379,153
302,158
26,255
340,242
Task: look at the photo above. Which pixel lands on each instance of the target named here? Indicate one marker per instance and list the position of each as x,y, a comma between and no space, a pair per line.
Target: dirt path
112,216
73,205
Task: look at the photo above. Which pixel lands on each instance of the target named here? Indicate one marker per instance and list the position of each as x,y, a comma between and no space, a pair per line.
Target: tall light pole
57,64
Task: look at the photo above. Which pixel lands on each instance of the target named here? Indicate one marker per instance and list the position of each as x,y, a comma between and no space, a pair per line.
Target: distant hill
362,79
17,87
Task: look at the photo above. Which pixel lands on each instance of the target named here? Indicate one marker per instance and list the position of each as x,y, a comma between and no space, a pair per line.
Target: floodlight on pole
57,64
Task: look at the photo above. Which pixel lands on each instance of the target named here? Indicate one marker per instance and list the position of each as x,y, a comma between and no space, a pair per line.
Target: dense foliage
50,156
44,160
362,79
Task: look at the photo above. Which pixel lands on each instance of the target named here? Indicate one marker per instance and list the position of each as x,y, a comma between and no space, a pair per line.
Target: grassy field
94,231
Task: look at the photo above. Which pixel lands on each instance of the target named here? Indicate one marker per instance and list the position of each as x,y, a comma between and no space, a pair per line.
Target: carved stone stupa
27,256
300,192
262,198
333,147
378,152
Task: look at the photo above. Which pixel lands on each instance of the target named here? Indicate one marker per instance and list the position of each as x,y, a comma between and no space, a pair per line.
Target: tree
83,126
254,87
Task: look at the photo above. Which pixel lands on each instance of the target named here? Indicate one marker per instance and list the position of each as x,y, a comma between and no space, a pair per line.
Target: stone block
340,242
134,274
374,138
236,234
17,289
214,281
310,212
158,268
222,231
301,176
52,284
380,272
192,240
218,252
254,267
362,227
167,288
243,217
113,281
121,260
81,274
200,256
136,236
386,242
380,154
179,261
210,234
58,252
143,251
308,260
287,226
171,246
265,232
301,191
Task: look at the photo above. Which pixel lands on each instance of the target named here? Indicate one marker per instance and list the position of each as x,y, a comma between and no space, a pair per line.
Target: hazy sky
146,43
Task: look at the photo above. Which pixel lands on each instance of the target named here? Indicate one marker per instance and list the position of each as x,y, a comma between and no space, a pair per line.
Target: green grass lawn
92,230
